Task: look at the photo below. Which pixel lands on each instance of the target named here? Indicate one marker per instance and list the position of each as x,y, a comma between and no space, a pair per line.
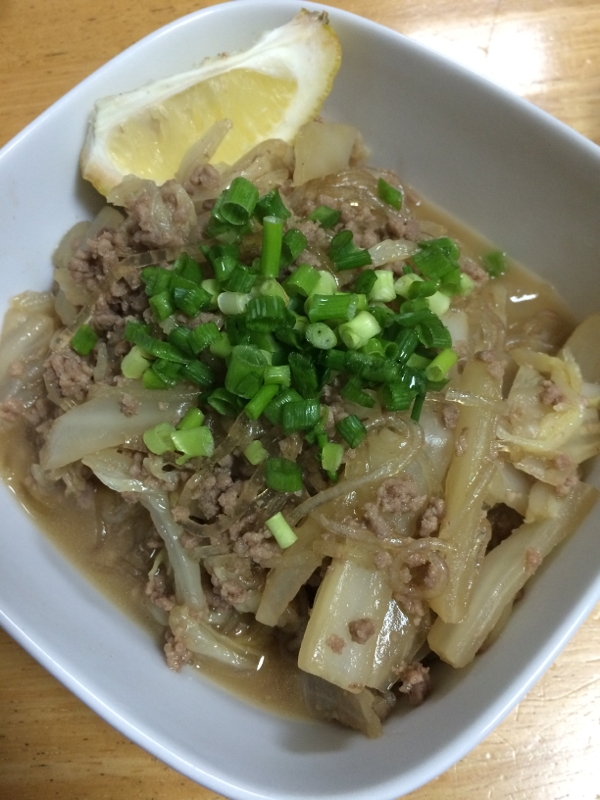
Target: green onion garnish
441,365
135,363
396,396
282,532
494,263
271,247
389,195
266,314
304,375
283,475
202,336
278,375
245,371
192,418
274,410
327,217
198,373
256,453
194,442
301,415
352,430
303,281
353,392
159,438
261,400
238,202
187,267
162,305
321,336
332,456
340,306
271,205
359,330
224,402
156,280
293,243
84,340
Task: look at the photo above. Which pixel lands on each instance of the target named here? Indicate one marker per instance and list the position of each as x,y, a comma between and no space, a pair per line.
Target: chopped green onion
340,306
188,268
303,281
494,263
266,314
202,336
271,205
320,336
467,284
327,284
353,392
233,303
156,280
238,202
283,475
274,410
389,195
159,438
279,375
415,414
421,289
352,430
188,296
242,279
396,396
293,243
162,305
224,402
84,340
221,347
383,314
345,254
432,333
327,217
271,287
417,361
373,347
439,303
245,371
332,456
301,415
211,285
256,453
137,333
407,341
151,380
135,363
404,282
168,371
271,246
192,418
365,282
179,337
261,400
198,373
223,258
194,442
441,365
359,330
281,530
304,375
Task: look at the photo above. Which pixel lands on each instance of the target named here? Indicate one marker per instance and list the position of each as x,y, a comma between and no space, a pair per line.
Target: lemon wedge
268,91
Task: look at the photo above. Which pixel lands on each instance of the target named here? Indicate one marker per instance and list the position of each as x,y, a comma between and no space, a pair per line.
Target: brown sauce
108,562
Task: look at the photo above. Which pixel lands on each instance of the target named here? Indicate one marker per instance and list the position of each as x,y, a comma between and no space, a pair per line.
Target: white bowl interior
517,176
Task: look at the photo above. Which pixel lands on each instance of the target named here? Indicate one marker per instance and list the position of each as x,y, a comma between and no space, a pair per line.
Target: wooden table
51,745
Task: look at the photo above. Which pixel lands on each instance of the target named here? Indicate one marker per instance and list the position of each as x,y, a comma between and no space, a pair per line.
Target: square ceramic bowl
517,176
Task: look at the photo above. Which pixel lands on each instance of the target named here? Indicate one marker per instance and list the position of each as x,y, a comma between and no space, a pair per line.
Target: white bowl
519,177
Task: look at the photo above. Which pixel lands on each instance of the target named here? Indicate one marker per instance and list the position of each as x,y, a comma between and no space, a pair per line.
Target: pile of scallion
285,338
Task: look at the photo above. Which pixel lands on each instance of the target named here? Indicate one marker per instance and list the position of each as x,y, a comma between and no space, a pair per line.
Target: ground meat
316,235
11,410
376,521
400,494
416,683
432,516
450,414
551,394
291,446
382,559
100,256
180,514
208,493
129,405
260,546
495,365
471,268
533,559
460,443
361,630
157,590
176,652
205,177
363,223
71,373
160,216
335,642
503,520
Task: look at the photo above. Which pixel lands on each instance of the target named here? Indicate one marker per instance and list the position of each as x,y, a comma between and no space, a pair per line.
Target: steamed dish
325,427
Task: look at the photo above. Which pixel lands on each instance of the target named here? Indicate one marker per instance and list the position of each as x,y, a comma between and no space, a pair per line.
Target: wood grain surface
548,51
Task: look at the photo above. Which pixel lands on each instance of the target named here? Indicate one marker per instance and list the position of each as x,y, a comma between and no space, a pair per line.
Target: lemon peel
268,91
